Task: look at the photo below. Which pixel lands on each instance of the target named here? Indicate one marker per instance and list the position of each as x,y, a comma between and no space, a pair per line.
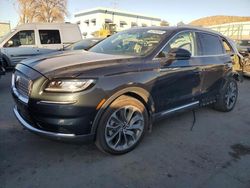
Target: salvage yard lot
216,153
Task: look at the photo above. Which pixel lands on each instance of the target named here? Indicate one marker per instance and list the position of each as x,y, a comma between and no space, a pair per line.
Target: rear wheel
228,97
122,126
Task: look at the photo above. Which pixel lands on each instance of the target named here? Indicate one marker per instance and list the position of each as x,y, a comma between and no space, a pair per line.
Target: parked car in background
243,46
246,66
34,39
84,44
2,70
112,93
244,49
236,57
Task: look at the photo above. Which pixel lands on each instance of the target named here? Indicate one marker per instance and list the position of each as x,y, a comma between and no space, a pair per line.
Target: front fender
6,58
137,92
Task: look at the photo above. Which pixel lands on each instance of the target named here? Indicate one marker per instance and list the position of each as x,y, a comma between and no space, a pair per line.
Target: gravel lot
215,154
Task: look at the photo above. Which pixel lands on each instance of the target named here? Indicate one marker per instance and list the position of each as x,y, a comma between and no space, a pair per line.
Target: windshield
244,42
135,42
84,44
6,36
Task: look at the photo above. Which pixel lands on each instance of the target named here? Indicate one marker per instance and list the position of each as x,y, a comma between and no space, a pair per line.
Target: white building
234,30
94,19
4,28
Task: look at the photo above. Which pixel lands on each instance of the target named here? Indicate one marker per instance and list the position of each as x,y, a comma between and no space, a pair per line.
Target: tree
51,10
42,10
26,9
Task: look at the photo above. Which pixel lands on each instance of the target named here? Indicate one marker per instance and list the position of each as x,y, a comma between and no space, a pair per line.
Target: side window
25,37
183,40
227,47
49,36
210,44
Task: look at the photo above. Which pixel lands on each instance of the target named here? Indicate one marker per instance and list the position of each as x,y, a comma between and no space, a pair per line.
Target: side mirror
174,54
179,54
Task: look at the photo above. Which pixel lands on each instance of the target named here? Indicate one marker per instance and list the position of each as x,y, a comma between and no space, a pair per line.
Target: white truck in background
33,39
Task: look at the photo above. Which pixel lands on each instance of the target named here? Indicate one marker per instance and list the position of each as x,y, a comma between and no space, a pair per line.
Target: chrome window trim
158,58
210,55
190,30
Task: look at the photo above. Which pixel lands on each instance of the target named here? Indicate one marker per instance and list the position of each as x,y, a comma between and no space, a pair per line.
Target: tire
4,63
119,135
228,97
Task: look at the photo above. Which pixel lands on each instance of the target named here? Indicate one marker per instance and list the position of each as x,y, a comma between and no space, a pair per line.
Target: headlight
69,85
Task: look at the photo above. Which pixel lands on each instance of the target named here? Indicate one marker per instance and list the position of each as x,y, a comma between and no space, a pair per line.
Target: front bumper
53,135
61,116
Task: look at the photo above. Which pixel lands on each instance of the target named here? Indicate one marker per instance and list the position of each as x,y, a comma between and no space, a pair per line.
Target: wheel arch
237,76
231,75
6,59
136,92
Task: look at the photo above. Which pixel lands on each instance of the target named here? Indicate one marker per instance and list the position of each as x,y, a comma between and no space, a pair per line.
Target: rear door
70,33
213,61
21,45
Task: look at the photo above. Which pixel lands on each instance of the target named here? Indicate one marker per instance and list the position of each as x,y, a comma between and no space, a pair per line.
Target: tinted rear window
210,44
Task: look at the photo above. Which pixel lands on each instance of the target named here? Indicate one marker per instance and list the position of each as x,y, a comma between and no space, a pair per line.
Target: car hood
72,62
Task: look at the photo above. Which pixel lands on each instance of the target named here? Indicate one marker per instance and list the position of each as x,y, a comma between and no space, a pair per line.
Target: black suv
113,93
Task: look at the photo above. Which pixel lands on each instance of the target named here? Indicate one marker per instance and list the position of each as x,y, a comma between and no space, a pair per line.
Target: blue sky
173,11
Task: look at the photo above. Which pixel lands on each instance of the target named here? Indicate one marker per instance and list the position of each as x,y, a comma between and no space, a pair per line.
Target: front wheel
4,64
228,97
122,126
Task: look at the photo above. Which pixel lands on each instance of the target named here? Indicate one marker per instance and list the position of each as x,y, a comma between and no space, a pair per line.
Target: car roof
93,38
180,28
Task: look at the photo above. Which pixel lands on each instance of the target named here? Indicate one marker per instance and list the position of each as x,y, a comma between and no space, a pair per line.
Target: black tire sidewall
221,103
118,103
4,63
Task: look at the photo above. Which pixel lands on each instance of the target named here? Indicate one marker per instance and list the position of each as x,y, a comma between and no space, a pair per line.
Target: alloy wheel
231,95
124,128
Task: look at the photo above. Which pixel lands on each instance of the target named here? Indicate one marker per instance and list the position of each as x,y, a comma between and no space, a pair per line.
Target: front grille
22,84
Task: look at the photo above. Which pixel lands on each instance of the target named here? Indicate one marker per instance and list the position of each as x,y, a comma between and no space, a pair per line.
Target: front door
21,46
178,84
